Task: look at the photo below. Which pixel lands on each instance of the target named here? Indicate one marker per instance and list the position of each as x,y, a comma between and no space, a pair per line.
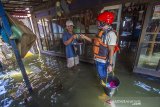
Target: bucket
78,48
114,83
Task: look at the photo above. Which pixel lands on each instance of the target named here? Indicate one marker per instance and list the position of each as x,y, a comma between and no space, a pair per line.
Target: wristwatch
111,65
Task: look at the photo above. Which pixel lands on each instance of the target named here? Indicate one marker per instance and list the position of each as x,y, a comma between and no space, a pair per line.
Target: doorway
132,20
148,55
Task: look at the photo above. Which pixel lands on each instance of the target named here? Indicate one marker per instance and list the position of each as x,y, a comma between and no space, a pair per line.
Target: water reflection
43,73
146,87
56,86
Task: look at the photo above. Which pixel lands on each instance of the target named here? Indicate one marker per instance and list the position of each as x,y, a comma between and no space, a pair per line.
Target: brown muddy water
56,86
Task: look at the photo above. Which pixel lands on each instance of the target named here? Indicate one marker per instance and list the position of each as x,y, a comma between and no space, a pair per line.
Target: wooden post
36,31
45,39
150,49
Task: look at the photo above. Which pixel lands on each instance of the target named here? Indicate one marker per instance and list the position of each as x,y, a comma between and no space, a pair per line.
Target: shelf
152,33
151,42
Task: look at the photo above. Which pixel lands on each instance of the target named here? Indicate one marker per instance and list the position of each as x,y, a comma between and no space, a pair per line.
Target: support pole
7,29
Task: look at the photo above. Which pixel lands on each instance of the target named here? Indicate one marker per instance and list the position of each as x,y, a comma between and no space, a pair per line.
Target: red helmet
106,17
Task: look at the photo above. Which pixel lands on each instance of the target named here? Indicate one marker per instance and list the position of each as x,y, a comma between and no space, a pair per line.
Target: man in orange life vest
104,45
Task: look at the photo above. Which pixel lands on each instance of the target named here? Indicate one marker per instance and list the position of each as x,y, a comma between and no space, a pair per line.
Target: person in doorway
104,45
68,39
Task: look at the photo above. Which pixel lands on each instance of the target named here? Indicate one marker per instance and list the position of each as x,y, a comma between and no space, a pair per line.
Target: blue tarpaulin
4,35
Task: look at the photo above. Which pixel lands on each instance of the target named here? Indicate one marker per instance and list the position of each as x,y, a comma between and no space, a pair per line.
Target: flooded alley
79,53
54,85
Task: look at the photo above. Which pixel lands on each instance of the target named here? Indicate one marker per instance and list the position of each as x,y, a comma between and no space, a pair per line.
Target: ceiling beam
22,4
18,14
20,11
24,1
14,6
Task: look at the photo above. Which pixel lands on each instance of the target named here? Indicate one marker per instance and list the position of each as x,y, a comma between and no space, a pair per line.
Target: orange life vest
100,49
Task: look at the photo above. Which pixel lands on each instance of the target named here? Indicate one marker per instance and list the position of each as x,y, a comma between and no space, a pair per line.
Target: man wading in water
68,40
104,45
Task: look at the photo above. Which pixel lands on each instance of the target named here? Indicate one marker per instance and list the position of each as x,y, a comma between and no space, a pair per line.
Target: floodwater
56,86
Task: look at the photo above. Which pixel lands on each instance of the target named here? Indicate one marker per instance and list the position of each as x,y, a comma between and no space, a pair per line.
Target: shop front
137,24
148,55
50,26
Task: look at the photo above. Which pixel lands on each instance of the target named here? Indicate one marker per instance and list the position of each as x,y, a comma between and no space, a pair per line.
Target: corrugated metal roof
21,7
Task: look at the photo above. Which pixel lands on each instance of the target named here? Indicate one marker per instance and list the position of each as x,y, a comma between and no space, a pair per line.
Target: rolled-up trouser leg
70,62
76,59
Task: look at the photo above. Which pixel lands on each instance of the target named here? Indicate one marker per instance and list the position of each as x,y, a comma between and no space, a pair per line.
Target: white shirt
111,39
